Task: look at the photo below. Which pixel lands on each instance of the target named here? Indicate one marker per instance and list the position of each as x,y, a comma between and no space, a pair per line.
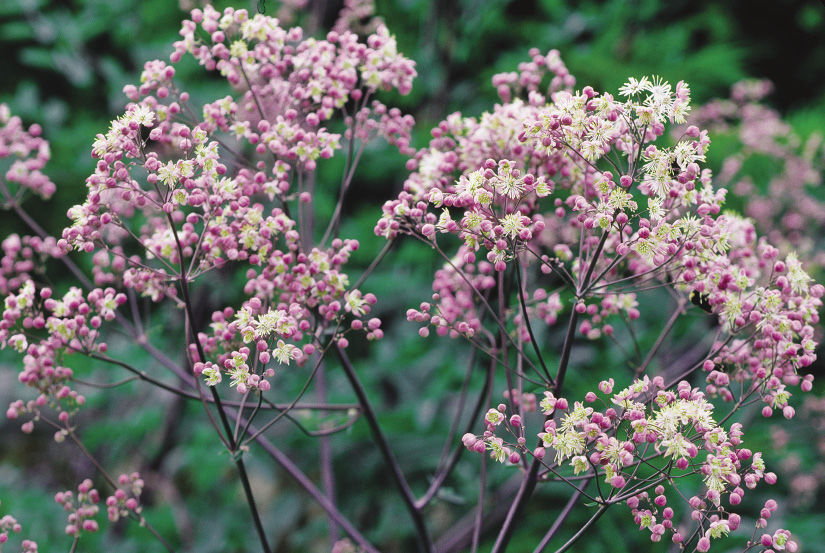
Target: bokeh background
63,65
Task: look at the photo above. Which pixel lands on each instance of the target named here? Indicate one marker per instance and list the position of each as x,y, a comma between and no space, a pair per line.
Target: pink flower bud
618,481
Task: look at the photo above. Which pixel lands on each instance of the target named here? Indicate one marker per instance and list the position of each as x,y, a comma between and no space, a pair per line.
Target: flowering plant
557,205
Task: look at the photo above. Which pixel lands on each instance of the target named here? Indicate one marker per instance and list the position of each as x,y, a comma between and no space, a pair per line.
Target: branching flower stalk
679,241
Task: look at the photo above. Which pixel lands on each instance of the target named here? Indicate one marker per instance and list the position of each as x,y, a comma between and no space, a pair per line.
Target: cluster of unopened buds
126,499
785,210
23,256
82,508
28,153
71,324
9,524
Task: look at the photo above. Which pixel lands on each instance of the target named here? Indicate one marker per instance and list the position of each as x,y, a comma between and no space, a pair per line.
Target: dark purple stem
425,543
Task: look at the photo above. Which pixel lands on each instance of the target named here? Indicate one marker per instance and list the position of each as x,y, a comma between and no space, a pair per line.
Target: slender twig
111,481
459,536
529,326
482,479
479,520
398,476
501,342
251,91
592,265
583,529
567,346
680,309
105,385
499,323
458,449
266,405
251,417
347,175
322,500
325,459
529,481
459,409
528,484
556,526
557,268
368,271
283,413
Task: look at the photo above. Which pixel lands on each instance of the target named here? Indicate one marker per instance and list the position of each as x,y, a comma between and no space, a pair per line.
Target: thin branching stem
556,526
425,543
526,317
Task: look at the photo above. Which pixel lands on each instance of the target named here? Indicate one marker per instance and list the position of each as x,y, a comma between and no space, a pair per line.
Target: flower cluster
557,203
611,435
126,499
82,508
784,210
654,218
579,190
198,207
283,317
28,153
192,190
23,257
9,524
46,330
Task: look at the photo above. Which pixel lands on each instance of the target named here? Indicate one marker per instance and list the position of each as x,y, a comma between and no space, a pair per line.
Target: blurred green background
64,64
